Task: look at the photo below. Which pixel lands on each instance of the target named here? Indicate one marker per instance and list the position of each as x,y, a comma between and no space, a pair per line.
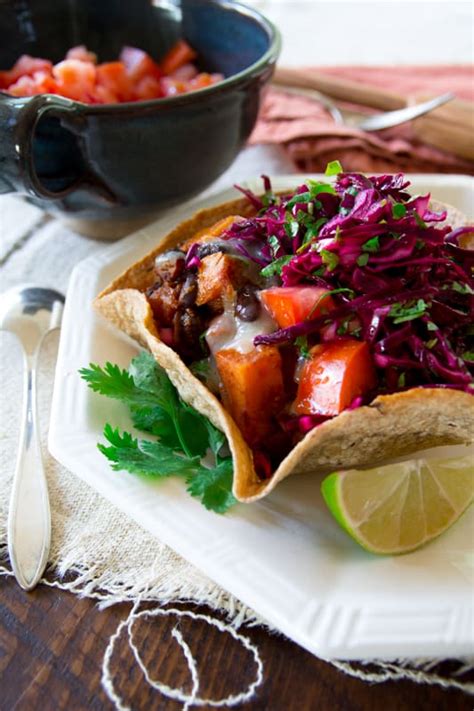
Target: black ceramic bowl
109,167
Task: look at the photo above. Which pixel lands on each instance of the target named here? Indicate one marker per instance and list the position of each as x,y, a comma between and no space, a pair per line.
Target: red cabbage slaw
400,278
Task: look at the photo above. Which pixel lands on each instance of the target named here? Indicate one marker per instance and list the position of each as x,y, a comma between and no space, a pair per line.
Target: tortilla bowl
390,426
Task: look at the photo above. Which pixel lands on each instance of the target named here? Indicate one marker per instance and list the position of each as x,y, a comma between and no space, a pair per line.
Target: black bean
247,307
187,328
189,290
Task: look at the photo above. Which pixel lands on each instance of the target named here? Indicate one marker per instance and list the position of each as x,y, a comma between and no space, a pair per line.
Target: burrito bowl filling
323,299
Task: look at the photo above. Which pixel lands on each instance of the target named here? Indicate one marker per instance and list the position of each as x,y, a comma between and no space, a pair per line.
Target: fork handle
29,517
340,89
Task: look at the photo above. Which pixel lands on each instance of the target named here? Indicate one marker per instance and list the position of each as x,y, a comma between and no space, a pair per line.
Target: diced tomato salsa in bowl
324,299
134,76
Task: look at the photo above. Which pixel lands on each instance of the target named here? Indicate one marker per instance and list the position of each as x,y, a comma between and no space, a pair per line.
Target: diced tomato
75,79
333,376
103,95
82,54
136,77
148,88
252,389
26,66
200,82
293,304
181,53
185,73
113,77
139,64
172,87
24,86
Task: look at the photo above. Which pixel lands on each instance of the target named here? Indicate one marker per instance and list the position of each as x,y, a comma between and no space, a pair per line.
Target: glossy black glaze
103,162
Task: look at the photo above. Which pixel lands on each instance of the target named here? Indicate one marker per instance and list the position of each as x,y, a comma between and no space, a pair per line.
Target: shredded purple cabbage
411,280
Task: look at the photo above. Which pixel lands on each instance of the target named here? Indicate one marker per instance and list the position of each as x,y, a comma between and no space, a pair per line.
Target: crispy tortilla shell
391,426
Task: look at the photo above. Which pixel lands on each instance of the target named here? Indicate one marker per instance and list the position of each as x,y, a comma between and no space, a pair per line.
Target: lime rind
331,489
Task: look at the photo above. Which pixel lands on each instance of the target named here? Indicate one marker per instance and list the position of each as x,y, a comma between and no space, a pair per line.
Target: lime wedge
398,507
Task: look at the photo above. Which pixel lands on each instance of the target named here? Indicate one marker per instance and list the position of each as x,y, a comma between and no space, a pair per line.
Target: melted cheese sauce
227,331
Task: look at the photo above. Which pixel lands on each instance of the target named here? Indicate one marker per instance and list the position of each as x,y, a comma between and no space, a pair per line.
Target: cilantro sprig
184,436
408,311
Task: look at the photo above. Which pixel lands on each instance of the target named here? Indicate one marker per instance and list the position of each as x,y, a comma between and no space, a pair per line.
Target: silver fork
386,119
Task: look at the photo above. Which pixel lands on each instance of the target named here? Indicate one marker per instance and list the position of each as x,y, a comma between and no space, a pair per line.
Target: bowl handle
18,119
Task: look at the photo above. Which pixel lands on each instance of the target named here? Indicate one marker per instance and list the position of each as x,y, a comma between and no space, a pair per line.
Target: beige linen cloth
96,550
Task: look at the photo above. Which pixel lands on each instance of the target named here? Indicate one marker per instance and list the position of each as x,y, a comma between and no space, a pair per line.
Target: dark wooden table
52,644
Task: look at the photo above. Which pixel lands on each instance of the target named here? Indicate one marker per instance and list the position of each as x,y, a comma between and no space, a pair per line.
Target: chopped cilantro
276,266
292,227
431,326
469,356
419,220
362,259
372,245
302,344
431,343
401,382
330,259
461,288
333,168
317,188
274,243
399,210
408,311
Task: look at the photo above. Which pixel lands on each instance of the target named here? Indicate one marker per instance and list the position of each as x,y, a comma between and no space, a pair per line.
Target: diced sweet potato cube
217,274
252,389
208,234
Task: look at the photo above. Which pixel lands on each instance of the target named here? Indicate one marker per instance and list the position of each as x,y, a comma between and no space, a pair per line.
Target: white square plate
284,556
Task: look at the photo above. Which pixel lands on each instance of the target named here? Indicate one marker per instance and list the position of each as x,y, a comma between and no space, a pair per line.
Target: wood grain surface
52,645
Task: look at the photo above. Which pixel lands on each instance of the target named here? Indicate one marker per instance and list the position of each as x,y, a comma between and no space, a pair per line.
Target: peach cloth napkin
311,138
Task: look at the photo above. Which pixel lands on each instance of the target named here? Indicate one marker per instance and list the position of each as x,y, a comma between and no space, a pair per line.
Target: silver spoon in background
29,312
386,119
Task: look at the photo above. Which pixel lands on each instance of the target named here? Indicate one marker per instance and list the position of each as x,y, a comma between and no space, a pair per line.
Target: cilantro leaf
316,188
142,457
189,430
407,312
333,168
274,243
116,383
299,198
372,245
185,435
276,266
331,292
469,356
399,210
213,486
363,259
301,342
292,227
461,288
330,259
